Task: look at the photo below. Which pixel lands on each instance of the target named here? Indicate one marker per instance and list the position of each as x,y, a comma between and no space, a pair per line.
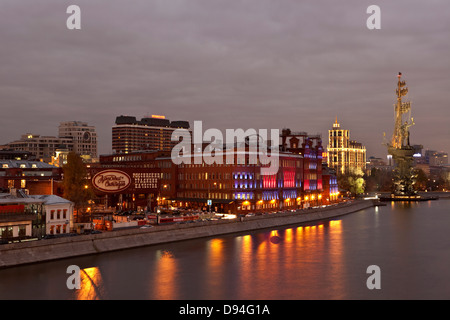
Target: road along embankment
51,249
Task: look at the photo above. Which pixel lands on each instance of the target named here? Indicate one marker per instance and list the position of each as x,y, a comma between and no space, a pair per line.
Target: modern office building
435,158
41,147
150,133
84,137
344,154
74,136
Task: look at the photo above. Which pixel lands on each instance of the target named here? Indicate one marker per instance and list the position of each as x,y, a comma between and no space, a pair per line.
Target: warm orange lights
91,282
335,223
334,194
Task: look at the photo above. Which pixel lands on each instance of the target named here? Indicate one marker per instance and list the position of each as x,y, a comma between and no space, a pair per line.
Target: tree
379,180
421,180
352,181
75,183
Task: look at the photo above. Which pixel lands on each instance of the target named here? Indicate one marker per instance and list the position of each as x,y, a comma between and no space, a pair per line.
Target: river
409,242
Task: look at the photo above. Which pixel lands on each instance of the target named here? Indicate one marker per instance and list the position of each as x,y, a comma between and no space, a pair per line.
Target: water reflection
326,260
290,259
164,276
246,262
91,283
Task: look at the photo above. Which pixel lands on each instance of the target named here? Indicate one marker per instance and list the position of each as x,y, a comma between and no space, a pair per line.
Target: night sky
231,63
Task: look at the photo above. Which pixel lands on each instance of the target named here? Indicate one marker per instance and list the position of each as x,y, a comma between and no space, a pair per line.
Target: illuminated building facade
330,186
34,216
309,147
240,187
41,147
20,218
152,133
344,154
74,136
229,187
35,176
435,158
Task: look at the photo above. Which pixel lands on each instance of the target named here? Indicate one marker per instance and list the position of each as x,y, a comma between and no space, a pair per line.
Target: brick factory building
35,176
144,180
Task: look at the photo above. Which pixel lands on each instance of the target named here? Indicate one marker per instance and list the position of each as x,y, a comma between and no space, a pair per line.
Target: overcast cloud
231,63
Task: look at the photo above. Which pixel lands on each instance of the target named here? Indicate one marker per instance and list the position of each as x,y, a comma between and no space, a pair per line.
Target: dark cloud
240,63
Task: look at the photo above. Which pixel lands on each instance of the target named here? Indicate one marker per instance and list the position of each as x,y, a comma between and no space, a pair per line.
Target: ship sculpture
400,149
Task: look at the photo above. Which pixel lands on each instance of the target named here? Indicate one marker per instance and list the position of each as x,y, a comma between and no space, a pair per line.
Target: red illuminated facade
311,150
231,187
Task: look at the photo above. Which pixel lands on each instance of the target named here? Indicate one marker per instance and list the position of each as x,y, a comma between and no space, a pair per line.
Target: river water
409,242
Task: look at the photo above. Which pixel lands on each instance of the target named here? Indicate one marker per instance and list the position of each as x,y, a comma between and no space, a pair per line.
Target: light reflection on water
164,285
90,285
324,260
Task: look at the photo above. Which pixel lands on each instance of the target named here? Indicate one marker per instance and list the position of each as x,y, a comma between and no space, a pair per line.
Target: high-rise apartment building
344,154
151,133
84,137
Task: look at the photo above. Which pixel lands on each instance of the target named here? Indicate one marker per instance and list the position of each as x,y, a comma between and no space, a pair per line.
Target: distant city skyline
231,64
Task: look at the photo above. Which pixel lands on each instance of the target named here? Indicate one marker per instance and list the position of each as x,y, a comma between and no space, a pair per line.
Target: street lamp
209,195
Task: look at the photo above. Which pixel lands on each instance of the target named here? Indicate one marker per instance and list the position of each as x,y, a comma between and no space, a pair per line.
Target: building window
22,231
52,214
6,232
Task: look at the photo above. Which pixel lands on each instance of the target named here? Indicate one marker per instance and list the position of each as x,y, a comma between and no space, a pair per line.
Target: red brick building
236,186
35,176
311,150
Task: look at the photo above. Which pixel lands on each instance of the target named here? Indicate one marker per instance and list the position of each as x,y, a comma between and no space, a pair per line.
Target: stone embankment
51,249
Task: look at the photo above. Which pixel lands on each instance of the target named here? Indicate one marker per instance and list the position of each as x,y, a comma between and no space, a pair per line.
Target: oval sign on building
111,181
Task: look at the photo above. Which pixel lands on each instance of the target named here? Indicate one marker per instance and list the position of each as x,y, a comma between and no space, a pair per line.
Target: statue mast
401,129
400,148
